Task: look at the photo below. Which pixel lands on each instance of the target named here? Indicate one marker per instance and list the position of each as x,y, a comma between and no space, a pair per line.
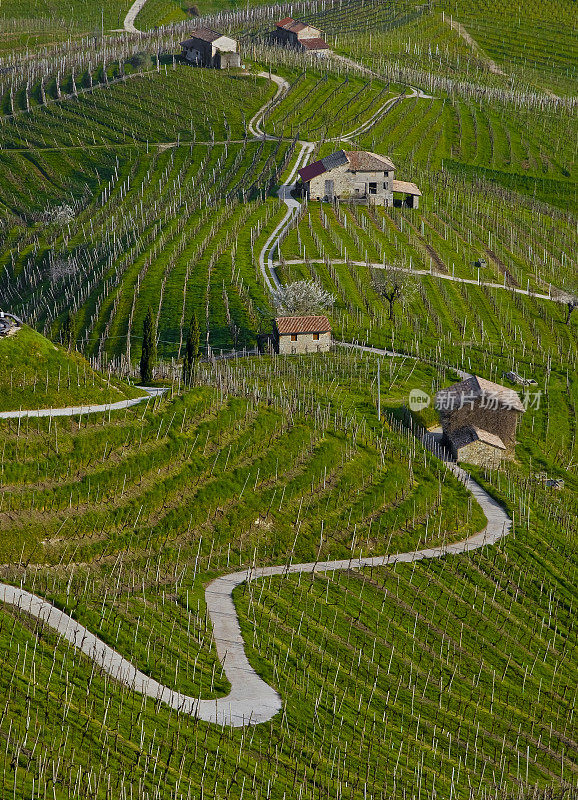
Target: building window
315,337
293,337
373,188
385,185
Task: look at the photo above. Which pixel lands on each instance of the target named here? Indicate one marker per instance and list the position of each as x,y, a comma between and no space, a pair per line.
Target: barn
352,175
209,48
300,335
292,33
479,420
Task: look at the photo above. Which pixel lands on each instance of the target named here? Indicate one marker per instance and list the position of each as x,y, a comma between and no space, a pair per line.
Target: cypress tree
191,349
149,348
67,332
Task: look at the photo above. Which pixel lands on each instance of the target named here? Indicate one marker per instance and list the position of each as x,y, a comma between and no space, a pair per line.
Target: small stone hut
299,335
410,192
476,446
209,48
355,176
292,33
479,420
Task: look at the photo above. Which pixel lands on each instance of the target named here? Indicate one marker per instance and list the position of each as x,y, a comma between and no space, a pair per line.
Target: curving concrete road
131,16
555,295
75,411
256,123
286,190
251,700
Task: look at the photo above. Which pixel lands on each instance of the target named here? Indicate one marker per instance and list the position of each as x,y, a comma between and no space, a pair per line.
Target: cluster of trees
149,349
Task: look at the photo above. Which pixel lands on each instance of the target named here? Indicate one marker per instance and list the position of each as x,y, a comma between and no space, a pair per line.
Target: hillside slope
35,373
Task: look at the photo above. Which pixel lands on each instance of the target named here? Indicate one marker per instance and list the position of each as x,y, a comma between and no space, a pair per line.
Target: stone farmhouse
297,335
208,48
479,420
291,33
9,324
356,176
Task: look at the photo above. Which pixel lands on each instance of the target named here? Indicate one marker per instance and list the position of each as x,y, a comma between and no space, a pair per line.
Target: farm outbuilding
410,192
479,420
9,324
299,335
477,446
353,176
209,48
292,33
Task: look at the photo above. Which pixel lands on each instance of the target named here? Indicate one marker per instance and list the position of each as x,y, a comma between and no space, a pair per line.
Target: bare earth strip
459,28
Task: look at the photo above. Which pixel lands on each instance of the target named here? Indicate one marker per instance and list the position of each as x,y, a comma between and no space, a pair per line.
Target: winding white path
131,16
556,297
251,701
286,190
75,411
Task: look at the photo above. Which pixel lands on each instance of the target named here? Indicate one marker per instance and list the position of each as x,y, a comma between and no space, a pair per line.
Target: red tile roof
309,324
312,171
326,164
314,44
358,160
290,24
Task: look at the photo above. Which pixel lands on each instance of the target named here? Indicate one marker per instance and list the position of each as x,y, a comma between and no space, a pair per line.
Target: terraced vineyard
541,44
131,183
415,647
175,244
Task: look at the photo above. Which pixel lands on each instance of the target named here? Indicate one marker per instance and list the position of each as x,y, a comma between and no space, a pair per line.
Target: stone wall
228,60
348,184
481,455
208,53
305,344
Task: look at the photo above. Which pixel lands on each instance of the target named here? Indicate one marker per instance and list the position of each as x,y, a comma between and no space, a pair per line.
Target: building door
329,190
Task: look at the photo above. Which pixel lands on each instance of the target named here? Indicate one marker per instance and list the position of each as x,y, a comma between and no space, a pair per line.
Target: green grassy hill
451,676
450,679
35,373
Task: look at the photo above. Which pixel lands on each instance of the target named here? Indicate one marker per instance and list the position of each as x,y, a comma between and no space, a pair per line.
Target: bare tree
393,284
62,266
302,297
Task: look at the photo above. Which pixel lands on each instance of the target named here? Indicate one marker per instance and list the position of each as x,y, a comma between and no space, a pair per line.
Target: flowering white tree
302,297
60,215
